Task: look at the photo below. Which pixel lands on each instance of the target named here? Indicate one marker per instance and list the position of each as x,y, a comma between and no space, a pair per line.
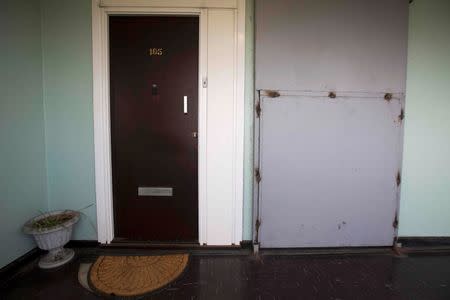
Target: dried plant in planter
52,231
53,220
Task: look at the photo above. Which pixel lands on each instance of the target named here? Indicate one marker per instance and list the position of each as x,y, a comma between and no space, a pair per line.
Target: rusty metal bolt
388,97
332,95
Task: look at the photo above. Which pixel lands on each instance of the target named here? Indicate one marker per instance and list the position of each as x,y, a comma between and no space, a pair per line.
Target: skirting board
143,248
18,266
129,244
424,241
82,244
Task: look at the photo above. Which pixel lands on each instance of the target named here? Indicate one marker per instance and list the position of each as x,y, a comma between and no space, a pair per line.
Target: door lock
194,134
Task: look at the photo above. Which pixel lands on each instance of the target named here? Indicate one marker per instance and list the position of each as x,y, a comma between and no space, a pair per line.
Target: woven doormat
132,276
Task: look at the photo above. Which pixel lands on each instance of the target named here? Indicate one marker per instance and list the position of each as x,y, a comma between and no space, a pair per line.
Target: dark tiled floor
269,277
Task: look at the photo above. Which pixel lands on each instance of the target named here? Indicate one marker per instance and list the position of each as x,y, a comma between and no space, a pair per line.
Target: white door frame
101,9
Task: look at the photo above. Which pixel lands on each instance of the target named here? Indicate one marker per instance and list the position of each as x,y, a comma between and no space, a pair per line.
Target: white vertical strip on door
202,128
220,134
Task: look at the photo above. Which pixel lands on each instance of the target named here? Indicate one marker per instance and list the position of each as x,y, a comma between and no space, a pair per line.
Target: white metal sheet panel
345,45
329,170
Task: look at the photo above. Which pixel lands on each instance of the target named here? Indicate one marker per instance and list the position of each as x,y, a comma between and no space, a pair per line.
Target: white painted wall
220,128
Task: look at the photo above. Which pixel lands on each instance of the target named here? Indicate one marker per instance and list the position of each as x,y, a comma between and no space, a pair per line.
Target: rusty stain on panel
272,94
258,109
257,175
342,225
257,225
332,95
402,115
395,223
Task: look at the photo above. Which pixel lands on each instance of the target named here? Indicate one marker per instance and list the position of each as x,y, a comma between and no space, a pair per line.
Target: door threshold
126,243
121,243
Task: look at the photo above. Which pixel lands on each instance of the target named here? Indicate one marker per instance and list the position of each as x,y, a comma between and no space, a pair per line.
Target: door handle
185,105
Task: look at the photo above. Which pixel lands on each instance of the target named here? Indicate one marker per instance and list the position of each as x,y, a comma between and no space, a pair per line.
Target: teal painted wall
248,115
22,150
425,198
67,77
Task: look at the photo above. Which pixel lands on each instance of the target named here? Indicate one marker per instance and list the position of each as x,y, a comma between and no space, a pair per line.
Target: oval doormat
131,276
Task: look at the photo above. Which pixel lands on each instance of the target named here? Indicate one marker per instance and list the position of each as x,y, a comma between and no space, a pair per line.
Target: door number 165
155,51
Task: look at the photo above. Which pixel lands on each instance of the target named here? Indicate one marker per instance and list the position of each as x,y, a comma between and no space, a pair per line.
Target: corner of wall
47,190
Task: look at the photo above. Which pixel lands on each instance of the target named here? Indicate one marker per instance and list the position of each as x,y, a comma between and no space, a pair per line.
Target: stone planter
53,239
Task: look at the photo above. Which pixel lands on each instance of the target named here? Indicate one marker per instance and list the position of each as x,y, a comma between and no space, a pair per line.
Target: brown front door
154,112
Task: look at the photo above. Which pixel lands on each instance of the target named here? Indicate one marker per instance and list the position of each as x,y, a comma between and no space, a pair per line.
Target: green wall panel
425,198
248,119
22,150
67,62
